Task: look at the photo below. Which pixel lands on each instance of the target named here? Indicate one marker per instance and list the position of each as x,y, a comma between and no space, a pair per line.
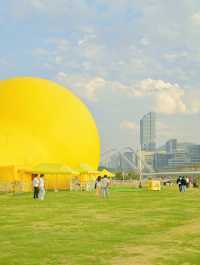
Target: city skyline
123,60
173,155
161,136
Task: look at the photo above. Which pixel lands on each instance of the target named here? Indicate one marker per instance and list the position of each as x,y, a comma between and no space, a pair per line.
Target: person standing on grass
183,184
104,186
41,187
35,186
98,186
179,183
187,182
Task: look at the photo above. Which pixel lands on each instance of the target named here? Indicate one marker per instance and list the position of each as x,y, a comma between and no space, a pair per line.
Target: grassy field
132,227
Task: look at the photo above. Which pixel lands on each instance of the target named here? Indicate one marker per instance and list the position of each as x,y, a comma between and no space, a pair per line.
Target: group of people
183,183
38,186
102,185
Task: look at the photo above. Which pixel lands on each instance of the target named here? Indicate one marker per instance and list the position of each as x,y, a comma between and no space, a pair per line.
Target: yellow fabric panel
26,180
57,182
7,173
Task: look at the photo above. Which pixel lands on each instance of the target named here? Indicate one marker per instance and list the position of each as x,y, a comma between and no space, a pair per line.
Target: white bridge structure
137,163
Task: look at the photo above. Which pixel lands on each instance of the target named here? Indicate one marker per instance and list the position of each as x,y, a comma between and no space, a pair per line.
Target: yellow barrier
154,185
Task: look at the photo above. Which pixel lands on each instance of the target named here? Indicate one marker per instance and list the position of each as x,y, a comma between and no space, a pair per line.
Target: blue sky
122,57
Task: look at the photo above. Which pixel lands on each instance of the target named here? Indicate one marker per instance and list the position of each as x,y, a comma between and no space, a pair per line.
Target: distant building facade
146,158
177,155
161,160
148,132
171,146
194,154
180,157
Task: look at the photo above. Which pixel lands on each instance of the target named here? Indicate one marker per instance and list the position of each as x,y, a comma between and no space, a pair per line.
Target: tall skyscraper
148,132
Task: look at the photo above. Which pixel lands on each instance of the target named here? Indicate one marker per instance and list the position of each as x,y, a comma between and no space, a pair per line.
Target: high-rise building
148,132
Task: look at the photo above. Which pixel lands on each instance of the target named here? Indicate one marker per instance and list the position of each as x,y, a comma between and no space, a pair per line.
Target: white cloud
83,53
90,87
164,97
93,86
167,97
128,125
196,19
193,101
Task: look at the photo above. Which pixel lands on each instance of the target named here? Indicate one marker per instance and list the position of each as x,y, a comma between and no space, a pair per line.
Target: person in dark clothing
179,183
35,186
183,184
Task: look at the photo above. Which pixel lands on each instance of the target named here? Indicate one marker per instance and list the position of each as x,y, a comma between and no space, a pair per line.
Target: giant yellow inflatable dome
43,122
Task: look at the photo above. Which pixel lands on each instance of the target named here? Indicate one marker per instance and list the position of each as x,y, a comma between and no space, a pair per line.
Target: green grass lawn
132,227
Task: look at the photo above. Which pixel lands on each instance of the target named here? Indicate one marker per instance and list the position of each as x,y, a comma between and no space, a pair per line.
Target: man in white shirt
41,187
104,186
35,186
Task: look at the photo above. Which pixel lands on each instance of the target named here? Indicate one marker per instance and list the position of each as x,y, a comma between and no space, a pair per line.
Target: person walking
187,182
41,187
105,185
35,186
183,184
179,183
98,186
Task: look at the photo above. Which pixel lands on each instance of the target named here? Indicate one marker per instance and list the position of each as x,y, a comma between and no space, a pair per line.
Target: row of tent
57,177
63,169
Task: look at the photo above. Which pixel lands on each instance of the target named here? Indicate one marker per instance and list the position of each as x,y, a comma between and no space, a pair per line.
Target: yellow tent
57,176
87,176
15,179
53,169
87,169
107,173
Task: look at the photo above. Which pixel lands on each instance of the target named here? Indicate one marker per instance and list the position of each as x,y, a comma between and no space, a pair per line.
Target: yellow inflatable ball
43,122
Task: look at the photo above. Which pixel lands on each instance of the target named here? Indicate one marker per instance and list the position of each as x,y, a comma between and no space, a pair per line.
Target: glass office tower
148,132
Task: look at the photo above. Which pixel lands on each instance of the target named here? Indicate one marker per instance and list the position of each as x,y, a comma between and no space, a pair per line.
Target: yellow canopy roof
107,173
53,169
87,169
